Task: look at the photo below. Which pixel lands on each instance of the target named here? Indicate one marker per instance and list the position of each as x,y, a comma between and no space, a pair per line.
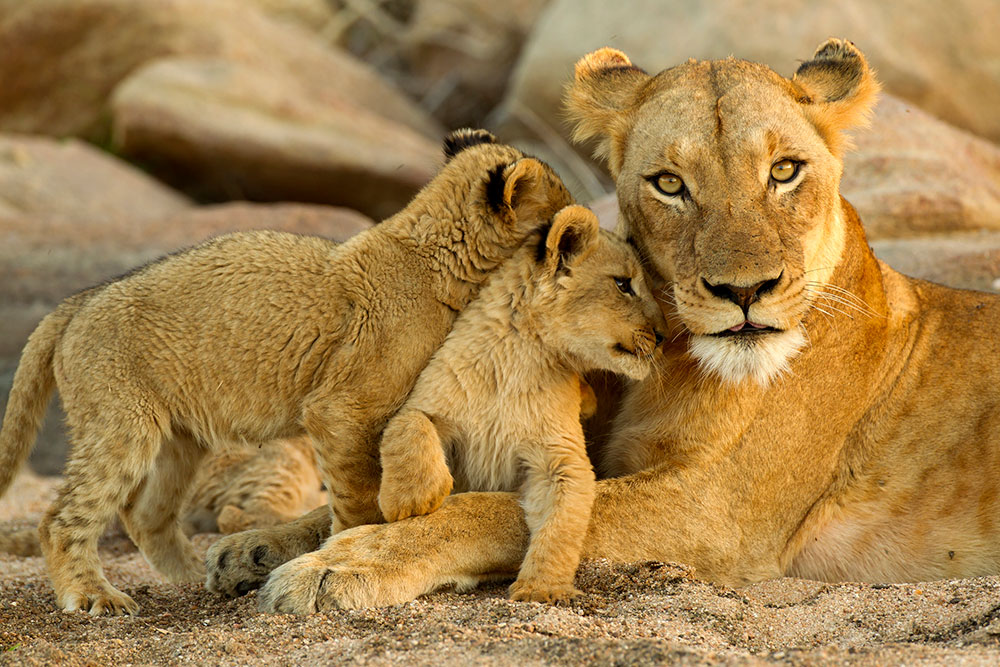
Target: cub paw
536,591
240,563
411,495
98,601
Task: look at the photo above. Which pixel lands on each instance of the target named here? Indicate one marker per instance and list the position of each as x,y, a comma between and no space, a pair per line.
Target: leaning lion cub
251,337
500,401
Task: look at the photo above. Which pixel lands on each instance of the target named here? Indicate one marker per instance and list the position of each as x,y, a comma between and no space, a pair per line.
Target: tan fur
232,491
251,337
499,403
257,487
870,451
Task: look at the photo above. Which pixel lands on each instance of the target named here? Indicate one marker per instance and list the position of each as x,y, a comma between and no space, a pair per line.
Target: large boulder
61,59
939,55
45,258
969,261
72,180
227,130
912,174
456,56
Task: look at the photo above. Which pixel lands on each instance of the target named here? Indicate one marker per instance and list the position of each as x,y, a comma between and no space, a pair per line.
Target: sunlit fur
499,403
250,337
874,457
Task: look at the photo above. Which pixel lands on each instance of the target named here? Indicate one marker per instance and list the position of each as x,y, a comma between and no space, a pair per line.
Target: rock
61,59
968,261
226,130
72,180
45,259
940,56
911,174
456,56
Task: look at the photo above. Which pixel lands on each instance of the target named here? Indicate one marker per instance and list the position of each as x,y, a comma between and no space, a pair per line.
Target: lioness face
728,183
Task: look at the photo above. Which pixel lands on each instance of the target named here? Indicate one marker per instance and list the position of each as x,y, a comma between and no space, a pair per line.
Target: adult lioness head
728,182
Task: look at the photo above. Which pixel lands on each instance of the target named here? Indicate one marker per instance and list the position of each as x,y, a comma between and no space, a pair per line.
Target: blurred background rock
131,128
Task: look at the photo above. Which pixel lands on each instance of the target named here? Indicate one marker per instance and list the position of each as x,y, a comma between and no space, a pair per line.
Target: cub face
594,288
728,177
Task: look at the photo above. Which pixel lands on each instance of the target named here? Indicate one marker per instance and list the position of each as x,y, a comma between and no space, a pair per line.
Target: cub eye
784,170
667,183
624,286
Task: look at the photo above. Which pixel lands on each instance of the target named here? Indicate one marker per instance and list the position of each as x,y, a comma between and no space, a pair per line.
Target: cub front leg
415,477
558,496
240,563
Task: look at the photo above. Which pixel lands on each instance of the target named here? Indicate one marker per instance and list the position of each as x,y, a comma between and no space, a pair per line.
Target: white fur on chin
760,357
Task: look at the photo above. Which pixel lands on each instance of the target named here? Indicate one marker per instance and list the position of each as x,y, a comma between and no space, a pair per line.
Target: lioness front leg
557,497
240,563
415,476
471,538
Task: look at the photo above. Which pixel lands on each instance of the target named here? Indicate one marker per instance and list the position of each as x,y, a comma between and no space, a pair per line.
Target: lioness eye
624,285
668,184
784,170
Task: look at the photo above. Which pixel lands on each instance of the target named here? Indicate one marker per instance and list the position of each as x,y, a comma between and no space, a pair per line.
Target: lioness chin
871,452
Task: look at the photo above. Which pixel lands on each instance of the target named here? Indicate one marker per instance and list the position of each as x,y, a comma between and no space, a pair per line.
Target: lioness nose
742,296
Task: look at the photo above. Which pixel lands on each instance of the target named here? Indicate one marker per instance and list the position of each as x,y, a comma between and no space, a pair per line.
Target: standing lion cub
500,401
251,337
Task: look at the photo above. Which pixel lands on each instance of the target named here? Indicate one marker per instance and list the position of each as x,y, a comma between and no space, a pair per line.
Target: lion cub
233,490
251,337
500,401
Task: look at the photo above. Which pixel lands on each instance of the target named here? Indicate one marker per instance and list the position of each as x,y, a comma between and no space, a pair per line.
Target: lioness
499,403
814,414
250,337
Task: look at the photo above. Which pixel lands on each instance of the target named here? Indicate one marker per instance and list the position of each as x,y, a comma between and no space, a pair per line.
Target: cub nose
741,296
658,336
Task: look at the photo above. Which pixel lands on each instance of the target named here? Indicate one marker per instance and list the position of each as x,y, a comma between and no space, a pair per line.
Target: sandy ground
643,613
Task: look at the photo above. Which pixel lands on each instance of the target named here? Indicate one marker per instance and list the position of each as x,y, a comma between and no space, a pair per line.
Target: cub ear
604,85
840,90
459,140
524,187
571,237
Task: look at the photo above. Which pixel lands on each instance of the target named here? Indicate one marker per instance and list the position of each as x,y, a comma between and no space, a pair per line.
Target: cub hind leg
112,454
152,514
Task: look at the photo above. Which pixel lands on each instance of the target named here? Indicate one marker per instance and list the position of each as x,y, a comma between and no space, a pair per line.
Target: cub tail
32,388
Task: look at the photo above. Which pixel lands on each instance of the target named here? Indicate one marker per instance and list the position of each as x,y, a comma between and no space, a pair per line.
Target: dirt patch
631,613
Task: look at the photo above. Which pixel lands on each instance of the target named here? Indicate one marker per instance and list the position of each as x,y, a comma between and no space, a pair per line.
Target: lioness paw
536,591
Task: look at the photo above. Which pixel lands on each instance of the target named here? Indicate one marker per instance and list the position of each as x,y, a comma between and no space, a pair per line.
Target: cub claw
534,591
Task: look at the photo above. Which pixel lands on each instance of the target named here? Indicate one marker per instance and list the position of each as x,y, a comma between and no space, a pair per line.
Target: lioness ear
604,85
522,187
840,90
571,237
